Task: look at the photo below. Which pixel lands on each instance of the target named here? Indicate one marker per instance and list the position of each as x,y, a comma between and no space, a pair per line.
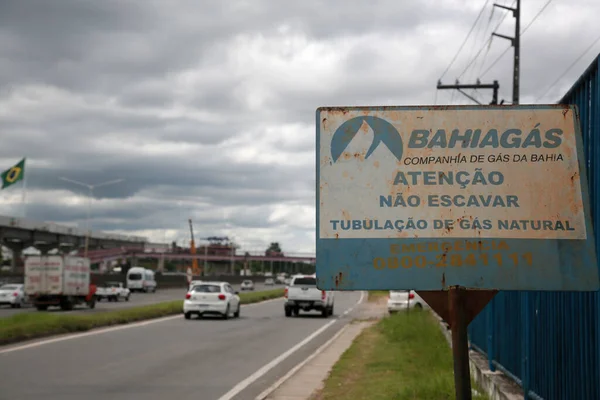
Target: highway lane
136,299
173,358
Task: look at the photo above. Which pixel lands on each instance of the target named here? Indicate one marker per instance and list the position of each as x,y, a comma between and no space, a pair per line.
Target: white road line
266,368
109,329
287,376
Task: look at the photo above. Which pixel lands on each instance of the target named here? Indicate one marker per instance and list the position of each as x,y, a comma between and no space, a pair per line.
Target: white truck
303,294
62,281
142,279
112,291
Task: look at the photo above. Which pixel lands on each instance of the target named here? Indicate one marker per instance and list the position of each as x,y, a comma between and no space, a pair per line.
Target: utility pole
89,206
494,86
516,43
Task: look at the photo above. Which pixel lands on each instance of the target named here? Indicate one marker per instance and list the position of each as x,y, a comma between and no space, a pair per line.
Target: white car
247,285
401,300
13,295
212,298
269,282
192,284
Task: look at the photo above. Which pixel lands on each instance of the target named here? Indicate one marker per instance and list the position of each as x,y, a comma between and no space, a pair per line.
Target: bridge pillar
16,247
45,247
161,264
65,248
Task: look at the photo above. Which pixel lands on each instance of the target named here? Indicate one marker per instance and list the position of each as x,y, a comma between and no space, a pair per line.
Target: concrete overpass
18,234
229,260
235,258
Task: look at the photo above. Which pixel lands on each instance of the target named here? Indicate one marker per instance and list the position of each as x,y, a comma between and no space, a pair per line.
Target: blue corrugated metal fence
549,342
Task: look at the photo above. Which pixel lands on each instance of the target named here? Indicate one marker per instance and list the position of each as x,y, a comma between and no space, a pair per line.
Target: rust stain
376,164
345,214
338,279
443,260
574,176
337,235
443,279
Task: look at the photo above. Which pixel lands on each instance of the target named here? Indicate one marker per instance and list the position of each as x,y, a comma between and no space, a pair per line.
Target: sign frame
347,264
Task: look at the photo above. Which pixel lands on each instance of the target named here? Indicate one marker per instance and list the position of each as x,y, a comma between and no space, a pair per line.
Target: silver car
401,300
13,295
247,285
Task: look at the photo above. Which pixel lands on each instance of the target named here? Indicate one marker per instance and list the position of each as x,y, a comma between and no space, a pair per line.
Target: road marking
107,330
266,368
287,376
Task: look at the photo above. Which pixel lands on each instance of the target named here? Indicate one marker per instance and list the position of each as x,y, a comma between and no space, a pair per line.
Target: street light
89,207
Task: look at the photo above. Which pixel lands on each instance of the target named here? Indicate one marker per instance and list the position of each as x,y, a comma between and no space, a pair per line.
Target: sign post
455,202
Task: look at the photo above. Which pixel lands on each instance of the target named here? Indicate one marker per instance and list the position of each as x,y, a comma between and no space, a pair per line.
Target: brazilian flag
14,174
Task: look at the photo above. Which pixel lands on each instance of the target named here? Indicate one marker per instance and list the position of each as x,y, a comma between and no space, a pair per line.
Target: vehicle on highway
59,281
13,295
247,285
212,298
401,300
192,284
141,279
303,294
112,291
280,278
269,282
287,281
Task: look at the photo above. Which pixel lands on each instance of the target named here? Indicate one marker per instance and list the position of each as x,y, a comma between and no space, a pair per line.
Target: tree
274,248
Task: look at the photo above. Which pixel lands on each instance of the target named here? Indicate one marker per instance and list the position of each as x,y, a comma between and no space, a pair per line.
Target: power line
482,63
495,61
522,32
466,38
569,68
484,45
536,16
479,29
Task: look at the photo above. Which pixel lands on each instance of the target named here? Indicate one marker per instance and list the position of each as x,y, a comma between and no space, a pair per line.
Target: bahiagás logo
383,132
449,137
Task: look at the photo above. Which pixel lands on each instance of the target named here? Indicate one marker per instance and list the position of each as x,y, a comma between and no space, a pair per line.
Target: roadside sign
425,198
189,275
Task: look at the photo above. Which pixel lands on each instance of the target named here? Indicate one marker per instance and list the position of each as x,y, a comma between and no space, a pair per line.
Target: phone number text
454,260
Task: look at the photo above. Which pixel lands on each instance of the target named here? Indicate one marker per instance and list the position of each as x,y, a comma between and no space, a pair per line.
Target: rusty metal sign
424,198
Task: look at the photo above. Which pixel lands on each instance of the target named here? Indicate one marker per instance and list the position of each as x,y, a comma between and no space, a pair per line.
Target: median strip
403,356
26,326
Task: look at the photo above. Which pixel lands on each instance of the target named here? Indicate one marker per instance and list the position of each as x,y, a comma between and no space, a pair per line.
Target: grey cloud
244,184
148,215
131,54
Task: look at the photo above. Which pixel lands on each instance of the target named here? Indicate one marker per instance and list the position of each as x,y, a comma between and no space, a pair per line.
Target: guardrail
162,281
549,342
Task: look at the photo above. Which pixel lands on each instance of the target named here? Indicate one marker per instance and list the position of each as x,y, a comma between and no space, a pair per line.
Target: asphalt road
173,358
136,299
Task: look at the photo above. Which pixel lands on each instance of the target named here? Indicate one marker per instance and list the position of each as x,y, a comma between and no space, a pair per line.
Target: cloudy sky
206,108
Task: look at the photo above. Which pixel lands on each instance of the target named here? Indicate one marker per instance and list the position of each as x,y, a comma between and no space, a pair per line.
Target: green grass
402,357
30,325
376,295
